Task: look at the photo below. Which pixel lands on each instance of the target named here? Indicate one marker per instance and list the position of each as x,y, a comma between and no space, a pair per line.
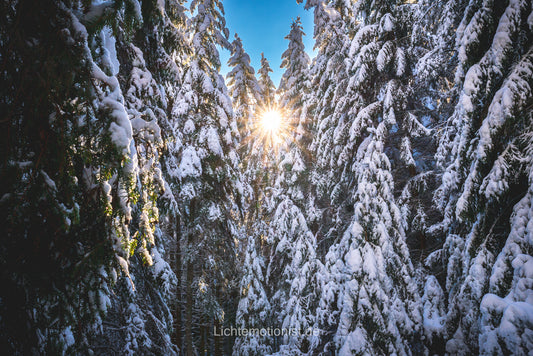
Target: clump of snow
49,182
111,51
387,23
434,316
68,336
190,164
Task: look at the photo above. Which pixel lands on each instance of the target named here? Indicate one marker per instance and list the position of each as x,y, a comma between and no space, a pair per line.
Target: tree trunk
189,307
176,314
218,341
203,339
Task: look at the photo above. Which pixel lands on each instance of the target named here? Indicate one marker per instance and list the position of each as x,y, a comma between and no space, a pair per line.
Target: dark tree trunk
188,310
176,265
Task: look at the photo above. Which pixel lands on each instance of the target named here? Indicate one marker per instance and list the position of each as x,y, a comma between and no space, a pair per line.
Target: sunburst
271,126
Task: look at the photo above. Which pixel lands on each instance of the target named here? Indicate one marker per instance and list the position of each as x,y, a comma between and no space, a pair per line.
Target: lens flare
270,131
271,121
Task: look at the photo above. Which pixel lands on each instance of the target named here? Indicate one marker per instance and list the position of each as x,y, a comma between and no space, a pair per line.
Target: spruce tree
368,270
74,182
366,124
268,89
294,82
245,93
485,177
254,307
243,88
293,268
209,186
329,80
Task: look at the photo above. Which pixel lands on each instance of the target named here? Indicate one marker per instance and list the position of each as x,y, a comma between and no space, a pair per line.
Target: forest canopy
378,201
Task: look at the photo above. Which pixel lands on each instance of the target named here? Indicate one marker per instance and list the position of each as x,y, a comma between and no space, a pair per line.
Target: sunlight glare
271,122
272,128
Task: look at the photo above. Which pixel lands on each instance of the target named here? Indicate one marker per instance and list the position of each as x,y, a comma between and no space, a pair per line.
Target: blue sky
262,25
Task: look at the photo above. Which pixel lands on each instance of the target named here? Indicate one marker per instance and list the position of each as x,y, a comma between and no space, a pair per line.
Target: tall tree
369,273
485,184
293,264
165,40
73,217
361,219
206,168
254,306
243,88
326,105
294,80
268,89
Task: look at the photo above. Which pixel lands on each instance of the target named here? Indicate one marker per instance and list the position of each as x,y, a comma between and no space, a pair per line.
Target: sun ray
272,130
272,126
271,121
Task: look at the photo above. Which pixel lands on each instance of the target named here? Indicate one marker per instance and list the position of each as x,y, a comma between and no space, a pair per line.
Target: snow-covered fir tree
293,266
293,274
485,184
254,306
268,89
369,266
294,81
246,96
209,189
353,142
95,170
329,80
243,88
